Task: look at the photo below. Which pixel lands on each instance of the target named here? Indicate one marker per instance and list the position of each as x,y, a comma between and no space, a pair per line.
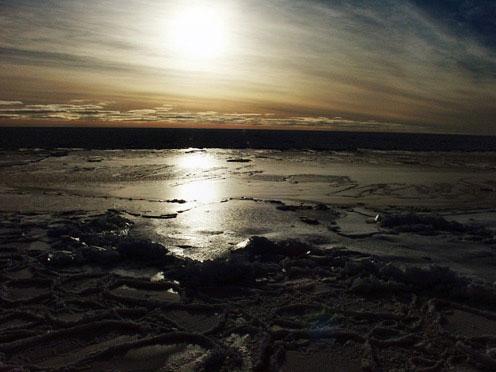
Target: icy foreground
225,260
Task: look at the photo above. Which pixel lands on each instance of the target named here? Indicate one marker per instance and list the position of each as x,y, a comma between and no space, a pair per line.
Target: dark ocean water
167,138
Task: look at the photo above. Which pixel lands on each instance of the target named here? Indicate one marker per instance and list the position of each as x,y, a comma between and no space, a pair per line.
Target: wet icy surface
136,179
201,202
376,261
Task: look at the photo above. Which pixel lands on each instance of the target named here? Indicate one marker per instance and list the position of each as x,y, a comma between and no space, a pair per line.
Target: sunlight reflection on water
200,185
200,191
204,185
197,160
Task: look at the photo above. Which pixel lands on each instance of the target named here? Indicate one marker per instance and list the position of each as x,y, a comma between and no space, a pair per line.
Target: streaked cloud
166,114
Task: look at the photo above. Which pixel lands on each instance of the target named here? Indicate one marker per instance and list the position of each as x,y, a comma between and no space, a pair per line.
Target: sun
200,31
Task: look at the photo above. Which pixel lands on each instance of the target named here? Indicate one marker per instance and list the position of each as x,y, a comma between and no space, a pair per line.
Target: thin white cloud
10,103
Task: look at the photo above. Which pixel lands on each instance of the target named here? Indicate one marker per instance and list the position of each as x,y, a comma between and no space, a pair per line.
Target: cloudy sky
402,65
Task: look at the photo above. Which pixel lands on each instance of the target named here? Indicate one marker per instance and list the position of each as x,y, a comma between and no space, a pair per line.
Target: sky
389,65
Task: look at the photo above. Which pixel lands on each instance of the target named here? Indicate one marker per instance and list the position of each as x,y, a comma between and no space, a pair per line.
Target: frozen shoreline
80,291
247,260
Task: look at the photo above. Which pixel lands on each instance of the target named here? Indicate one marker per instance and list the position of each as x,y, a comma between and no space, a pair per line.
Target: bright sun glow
200,31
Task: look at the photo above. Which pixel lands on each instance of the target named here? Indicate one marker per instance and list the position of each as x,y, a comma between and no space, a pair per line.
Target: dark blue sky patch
476,18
